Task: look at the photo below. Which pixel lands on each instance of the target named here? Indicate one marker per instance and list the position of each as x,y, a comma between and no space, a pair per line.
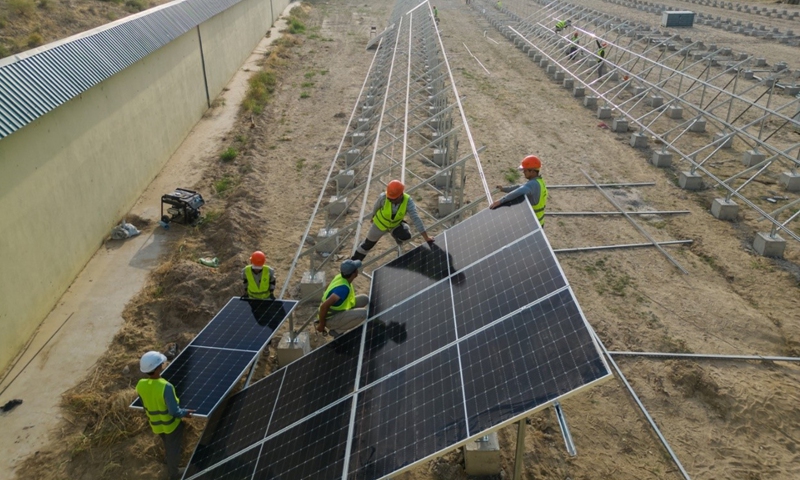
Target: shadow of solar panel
238,423
313,449
399,279
203,376
408,332
510,279
244,324
408,416
237,468
317,380
527,360
488,231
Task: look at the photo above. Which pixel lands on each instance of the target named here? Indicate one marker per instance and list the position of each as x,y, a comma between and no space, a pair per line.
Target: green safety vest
384,219
602,54
151,391
258,291
561,24
538,209
348,303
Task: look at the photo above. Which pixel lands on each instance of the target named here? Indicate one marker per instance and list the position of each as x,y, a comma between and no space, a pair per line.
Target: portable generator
182,206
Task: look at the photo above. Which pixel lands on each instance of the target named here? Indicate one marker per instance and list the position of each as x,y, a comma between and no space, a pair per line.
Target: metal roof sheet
35,84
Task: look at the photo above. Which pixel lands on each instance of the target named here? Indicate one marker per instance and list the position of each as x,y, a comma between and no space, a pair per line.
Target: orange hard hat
394,190
532,162
258,259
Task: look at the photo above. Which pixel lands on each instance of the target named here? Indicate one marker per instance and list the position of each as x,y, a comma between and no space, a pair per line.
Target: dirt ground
723,419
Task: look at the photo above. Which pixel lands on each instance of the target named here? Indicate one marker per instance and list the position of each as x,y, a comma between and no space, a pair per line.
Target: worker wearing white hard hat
163,409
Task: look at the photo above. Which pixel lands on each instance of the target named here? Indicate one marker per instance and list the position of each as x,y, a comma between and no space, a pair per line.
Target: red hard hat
531,161
394,190
258,259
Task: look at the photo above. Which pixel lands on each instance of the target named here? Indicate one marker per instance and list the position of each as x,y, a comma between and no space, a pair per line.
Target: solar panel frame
457,343
136,404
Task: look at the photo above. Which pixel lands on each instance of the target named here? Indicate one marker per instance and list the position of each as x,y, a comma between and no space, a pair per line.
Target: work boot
358,256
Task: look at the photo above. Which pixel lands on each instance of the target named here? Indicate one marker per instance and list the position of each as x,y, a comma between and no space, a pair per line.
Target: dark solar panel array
465,336
209,367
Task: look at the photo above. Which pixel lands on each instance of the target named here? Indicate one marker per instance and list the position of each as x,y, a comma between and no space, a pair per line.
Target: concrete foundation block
358,138
590,101
558,76
568,83
312,286
446,206
724,209
544,62
761,62
698,126
614,76
327,240
619,125
752,157
551,69
655,101
768,246
578,92
639,140
337,206
690,181
437,139
604,112
443,179
440,156
533,54
482,458
537,57
289,351
675,112
747,74
724,140
345,179
661,159
352,156
790,181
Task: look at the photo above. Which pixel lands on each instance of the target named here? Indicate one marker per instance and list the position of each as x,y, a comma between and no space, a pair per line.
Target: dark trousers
172,444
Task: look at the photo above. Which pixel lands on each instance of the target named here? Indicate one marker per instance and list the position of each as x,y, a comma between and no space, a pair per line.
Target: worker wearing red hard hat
259,278
388,215
160,402
535,189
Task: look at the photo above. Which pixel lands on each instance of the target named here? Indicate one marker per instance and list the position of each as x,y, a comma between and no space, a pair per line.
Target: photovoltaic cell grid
433,375
208,368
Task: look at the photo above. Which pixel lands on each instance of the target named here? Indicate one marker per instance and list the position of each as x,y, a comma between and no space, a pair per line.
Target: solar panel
209,367
459,343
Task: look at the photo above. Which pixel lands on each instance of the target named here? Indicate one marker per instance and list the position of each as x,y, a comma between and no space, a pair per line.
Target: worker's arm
507,188
378,205
272,282
172,405
531,189
244,279
323,310
411,210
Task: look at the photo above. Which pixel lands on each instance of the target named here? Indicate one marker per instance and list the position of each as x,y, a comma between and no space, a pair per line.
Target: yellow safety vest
384,219
538,209
561,24
151,391
348,303
258,291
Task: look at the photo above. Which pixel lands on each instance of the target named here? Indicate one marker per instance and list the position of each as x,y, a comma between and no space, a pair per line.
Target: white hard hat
151,360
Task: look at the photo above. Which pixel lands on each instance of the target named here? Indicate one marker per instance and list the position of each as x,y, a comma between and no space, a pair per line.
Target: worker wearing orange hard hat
259,278
535,188
388,215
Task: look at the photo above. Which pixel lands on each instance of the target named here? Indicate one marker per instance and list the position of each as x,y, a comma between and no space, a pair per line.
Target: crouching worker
341,309
163,409
388,215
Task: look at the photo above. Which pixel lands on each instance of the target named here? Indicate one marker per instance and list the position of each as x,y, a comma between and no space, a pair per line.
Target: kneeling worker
341,309
163,408
534,189
259,279
387,216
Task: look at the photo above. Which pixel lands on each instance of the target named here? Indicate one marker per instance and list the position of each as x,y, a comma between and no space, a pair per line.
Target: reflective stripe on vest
384,220
561,24
348,303
151,391
538,209
602,54
258,291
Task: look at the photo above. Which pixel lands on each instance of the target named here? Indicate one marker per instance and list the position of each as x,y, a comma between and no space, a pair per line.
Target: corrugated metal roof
34,84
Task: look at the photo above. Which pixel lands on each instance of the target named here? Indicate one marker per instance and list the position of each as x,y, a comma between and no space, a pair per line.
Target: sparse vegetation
261,87
23,8
34,40
299,165
229,155
307,84
511,175
304,94
224,184
136,5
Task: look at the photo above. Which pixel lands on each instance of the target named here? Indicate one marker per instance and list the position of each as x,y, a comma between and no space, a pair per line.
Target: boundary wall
70,175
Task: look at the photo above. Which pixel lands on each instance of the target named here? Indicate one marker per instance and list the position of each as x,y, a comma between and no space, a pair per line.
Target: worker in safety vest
534,189
258,278
601,55
573,47
341,309
561,25
163,409
387,216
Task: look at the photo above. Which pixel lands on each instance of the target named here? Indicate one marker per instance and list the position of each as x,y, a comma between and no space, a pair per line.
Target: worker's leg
373,235
402,233
172,444
349,319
